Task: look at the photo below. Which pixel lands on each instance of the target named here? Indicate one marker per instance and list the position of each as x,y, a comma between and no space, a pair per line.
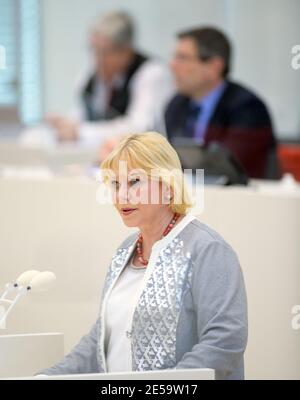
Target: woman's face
139,198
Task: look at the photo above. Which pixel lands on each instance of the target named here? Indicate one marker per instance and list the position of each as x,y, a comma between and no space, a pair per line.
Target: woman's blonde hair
152,153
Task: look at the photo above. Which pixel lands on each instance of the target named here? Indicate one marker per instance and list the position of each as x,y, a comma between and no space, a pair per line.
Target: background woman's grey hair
117,26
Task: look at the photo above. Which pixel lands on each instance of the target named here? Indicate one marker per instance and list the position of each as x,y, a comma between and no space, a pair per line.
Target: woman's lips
128,211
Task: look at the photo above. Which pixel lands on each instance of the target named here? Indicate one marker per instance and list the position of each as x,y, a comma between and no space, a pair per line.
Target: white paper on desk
39,136
286,186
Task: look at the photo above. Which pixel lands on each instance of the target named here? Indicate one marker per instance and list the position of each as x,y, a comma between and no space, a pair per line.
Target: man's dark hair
210,43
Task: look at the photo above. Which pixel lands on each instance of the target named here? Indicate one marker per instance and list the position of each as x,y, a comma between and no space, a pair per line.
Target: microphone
23,280
32,280
42,281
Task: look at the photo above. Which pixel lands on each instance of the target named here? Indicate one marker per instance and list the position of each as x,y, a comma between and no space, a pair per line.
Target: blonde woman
174,295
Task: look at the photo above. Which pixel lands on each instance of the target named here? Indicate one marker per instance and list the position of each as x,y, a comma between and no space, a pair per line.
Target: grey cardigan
191,311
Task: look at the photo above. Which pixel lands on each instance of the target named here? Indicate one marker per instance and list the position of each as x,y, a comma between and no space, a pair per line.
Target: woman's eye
114,184
134,181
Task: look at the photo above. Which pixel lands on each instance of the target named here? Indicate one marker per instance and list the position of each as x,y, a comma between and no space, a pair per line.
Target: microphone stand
22,291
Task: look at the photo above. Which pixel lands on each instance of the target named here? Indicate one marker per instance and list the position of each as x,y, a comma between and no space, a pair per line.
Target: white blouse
120,305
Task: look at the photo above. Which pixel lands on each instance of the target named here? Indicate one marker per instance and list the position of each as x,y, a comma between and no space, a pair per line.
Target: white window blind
8,39
20,36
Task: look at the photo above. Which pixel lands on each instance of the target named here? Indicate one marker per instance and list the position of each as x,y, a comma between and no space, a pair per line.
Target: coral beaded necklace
139,248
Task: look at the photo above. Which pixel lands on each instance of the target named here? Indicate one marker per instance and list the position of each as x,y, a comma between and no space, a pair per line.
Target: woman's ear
167,194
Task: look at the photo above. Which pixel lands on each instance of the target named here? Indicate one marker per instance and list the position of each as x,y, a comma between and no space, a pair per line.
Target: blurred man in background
210,108
124,92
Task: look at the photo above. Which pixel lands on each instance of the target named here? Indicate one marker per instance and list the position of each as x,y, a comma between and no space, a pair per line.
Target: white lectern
26,355
197,374
167,374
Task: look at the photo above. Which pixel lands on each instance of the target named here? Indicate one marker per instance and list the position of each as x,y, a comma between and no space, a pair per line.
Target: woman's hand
67,130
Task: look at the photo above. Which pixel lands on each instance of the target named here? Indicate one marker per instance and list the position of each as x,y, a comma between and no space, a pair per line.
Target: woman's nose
123,195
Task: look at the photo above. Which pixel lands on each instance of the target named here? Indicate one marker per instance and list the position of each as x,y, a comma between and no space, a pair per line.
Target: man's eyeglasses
181,57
